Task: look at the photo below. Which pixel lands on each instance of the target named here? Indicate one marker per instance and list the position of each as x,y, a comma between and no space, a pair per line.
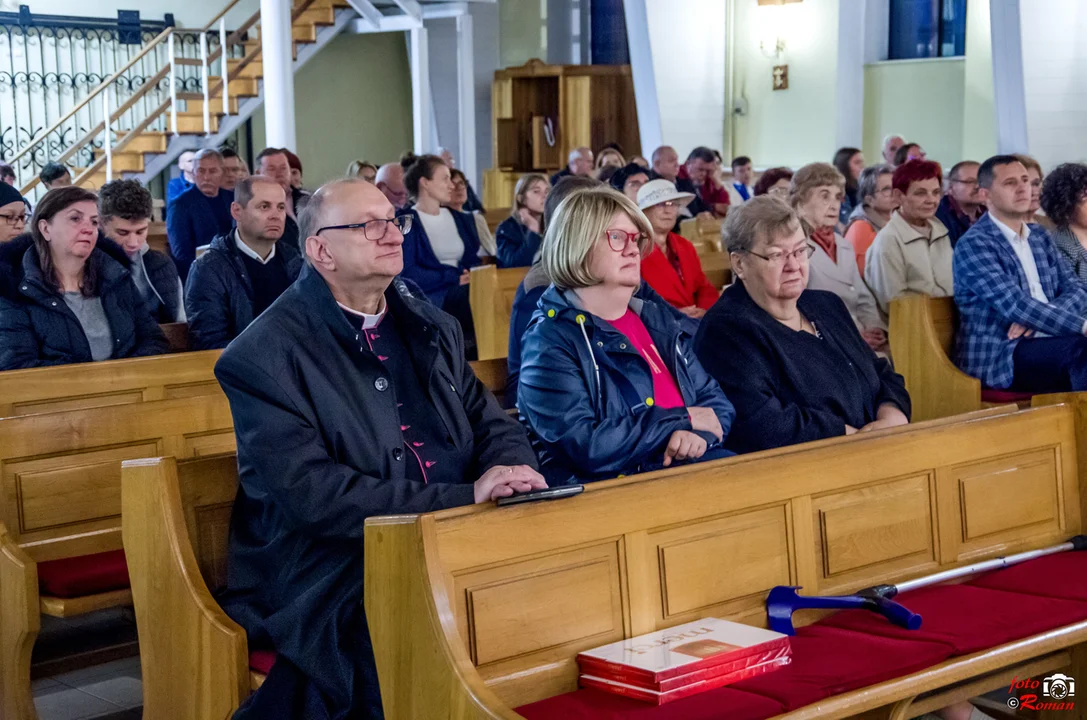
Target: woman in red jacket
672,267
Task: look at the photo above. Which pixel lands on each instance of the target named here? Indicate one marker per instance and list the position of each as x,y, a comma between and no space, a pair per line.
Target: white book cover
685,648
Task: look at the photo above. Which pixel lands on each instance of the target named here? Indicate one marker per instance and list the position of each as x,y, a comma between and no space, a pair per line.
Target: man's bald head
666,162
390,180
351,255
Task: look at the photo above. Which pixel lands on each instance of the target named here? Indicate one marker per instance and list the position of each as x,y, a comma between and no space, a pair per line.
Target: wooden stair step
123,161
318,16
148,142
190,123
304,32
252,69
215,105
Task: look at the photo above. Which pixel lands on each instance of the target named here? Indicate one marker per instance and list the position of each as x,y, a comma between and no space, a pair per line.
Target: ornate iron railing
59,75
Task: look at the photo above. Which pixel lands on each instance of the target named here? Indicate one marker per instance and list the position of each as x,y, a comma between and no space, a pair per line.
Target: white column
850,91
466,91
645,82
276,54
1009,90
422,118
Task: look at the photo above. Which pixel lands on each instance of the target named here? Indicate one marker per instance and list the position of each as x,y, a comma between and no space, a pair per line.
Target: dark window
927,29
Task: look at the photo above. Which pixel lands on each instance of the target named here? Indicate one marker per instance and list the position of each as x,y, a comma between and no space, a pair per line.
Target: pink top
665,390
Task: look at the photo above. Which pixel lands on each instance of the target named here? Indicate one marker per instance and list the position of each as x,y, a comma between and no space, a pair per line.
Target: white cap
660,190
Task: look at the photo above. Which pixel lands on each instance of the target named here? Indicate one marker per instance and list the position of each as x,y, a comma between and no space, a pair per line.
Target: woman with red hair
912,253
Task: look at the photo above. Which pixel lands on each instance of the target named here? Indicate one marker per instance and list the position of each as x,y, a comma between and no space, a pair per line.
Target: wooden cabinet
541,112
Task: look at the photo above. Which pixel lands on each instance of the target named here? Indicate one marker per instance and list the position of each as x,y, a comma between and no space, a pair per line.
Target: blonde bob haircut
810,177
580,222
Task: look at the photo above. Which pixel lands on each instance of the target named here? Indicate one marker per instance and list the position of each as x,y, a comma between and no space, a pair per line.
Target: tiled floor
112,691
109,691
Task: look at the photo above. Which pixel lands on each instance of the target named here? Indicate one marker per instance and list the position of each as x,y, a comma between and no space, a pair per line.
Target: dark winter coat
319,451
583,394
790,386
517,245
36,326
219,293
421,265
193,220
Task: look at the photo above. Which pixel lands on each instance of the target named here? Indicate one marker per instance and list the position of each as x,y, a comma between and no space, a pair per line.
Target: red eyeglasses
618,239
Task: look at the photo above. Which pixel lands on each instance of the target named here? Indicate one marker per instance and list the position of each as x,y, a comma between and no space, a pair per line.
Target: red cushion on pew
262,661
84,575
967,617
589,704
829,661
1059,576
991,395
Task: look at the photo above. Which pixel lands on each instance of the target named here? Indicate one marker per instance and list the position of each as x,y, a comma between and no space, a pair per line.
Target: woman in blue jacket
609,381
442,245
520,235
64,300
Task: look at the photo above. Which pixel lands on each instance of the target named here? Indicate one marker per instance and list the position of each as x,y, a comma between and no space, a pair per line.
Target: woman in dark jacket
791,359
66,301
609,382
519,236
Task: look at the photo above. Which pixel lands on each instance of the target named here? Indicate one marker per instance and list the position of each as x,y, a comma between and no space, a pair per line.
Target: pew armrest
413,630
194,657
937,387
19,626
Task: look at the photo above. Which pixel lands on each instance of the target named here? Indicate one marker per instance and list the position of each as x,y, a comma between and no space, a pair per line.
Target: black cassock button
398,454
381,384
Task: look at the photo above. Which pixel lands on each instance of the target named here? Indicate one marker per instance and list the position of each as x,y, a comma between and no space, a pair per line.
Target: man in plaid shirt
1022,312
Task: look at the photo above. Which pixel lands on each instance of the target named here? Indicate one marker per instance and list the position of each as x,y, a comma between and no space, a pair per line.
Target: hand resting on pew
506,480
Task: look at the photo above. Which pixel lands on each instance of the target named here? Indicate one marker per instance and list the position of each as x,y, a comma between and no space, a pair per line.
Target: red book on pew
648,660
692,687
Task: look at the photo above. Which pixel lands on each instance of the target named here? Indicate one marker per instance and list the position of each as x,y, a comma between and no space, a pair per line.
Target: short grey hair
311,219
760,217
206,153
888,138
868,182
578,152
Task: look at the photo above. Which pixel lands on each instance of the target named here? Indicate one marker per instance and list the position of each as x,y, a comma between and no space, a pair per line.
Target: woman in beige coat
816,193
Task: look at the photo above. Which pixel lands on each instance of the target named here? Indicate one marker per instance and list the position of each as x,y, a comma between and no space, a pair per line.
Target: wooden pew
704,233
112,382
60,498
175,522
495,217
477,600
717,266
491,296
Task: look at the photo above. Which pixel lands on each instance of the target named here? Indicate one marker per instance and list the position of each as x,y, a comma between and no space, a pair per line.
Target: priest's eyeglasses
374,229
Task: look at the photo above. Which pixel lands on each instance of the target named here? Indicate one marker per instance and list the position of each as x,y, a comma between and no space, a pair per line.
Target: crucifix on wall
781,77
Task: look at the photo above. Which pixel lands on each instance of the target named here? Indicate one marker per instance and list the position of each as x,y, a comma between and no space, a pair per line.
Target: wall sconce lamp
771,41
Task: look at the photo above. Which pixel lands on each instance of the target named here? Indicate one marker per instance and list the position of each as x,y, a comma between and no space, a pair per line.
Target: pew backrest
60,473
718,268
177,336
492,604
703,233
491,297
113,382
922,335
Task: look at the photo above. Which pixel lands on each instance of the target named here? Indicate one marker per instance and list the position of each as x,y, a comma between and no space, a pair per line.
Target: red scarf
824,238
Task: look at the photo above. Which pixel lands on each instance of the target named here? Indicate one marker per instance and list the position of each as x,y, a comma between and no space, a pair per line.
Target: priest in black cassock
350,399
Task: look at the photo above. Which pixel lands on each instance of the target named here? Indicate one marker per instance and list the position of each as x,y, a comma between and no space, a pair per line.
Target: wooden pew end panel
188,646
19,627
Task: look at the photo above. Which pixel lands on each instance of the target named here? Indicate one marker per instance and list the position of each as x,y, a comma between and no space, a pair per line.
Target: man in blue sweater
200,213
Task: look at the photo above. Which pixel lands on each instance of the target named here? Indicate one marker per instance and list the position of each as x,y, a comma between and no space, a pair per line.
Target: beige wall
921,100
979,108
795,126
353,100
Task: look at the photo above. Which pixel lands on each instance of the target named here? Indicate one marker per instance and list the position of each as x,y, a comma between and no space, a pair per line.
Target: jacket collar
563,305
908,233
34,285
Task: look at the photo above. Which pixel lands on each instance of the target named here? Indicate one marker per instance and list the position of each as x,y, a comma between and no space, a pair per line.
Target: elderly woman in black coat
63,300
790,359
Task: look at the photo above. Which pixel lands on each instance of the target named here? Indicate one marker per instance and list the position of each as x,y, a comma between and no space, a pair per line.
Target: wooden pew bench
60,524
112,382
922,335
491,605
704,233
491,297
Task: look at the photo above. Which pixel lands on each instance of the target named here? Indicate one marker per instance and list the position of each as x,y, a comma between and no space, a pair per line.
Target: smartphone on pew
543,494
